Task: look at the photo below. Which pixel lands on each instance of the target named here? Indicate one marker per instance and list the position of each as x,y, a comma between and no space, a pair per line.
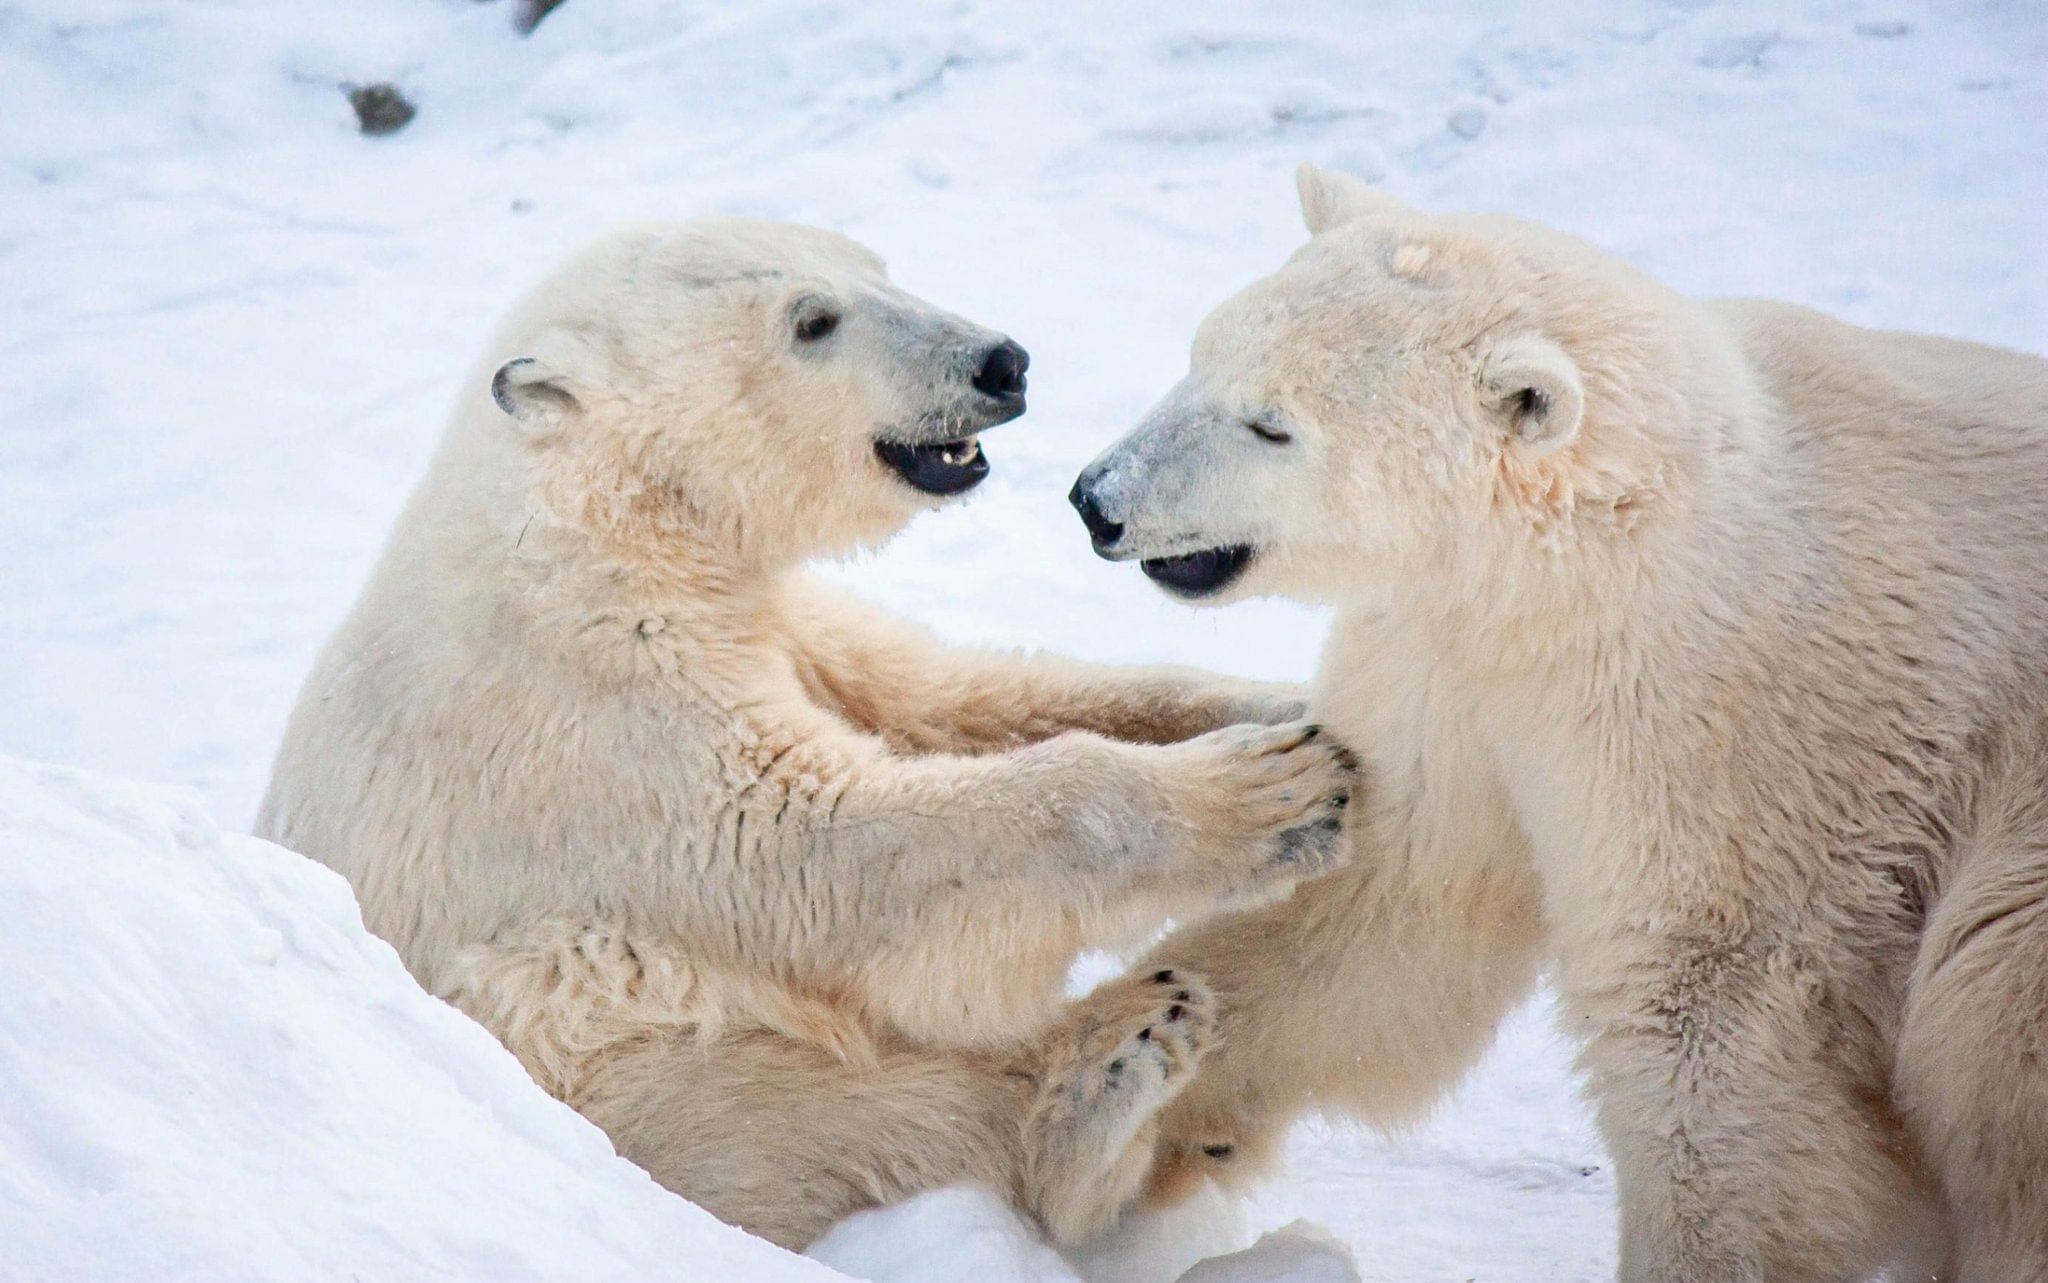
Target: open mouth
942,468
1198,574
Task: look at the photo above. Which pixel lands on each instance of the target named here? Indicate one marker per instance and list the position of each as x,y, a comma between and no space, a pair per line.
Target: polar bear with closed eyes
1696,652
777,890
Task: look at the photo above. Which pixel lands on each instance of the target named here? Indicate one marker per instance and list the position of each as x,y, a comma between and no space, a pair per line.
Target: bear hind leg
1973,1051
782,1139
1121,1054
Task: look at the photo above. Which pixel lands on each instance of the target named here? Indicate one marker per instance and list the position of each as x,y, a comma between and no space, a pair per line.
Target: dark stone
531,12
381,109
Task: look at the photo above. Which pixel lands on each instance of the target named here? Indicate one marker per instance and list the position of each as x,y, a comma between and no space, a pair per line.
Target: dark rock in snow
531,12
380,108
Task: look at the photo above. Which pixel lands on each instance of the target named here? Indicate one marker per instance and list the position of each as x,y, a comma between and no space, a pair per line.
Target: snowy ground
281,1101
232,323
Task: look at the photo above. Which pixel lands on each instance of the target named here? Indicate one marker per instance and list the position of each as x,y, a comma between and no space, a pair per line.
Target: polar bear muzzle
955,464
1181,494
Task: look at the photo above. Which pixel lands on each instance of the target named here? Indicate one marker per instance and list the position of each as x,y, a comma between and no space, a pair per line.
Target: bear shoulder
1796,345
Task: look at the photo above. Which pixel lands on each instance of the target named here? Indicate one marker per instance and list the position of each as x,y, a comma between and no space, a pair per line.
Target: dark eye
814,323
1267,432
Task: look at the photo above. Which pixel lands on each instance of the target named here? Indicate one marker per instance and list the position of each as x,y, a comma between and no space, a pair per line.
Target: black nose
1101,529
1001,374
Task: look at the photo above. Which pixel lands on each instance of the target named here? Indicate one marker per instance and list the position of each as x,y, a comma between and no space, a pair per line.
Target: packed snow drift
213,1072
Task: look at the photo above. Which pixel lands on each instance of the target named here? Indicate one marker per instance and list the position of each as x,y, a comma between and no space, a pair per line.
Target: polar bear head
750,390
1406,392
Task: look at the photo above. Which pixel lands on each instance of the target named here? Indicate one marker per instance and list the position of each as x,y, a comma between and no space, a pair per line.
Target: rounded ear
1330,199
1535,388
539,392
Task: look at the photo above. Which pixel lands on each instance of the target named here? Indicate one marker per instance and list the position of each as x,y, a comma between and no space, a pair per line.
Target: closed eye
1267,432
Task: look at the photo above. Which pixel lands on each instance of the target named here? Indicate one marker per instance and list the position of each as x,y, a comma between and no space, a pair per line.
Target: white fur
776,889
1720,693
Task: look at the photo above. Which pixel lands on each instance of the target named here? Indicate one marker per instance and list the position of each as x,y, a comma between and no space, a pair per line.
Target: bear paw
1124,1052
1263,807
1140,1041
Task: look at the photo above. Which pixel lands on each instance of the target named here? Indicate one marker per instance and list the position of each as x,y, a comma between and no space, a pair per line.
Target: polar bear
1697,652
777,890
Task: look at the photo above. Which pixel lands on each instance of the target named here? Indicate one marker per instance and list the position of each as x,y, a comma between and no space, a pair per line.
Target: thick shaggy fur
776,889
1697,652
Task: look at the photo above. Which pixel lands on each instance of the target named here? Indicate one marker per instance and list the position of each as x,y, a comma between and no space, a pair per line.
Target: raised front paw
1262,808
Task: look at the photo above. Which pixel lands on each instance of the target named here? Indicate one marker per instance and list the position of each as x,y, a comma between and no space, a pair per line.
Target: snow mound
968,1233
958,1233
1296,1253
212,1071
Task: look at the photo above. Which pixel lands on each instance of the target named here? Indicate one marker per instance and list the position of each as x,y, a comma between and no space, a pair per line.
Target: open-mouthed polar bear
776,889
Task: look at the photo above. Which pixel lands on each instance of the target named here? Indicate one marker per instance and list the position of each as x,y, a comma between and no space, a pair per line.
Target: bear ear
1330,199
538,392
1535,388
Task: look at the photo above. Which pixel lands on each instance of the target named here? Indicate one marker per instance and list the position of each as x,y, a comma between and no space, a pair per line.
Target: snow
233,324
213,1072
964,1232
970,1233
1298,1252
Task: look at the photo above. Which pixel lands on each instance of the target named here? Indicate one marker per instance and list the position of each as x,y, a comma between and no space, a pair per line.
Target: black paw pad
1175,1012
1219,1152
1292,842
1182,995
1145,1034
1114,1067
1296,842
1163,977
